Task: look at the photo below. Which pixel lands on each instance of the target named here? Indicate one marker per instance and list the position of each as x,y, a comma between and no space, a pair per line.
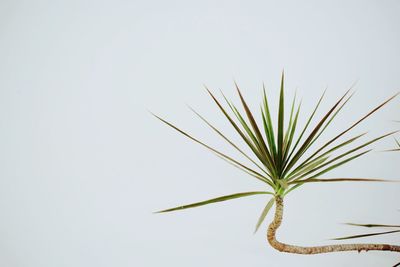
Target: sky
84,164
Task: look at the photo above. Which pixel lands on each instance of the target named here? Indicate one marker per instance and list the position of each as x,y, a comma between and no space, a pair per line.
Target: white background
84,164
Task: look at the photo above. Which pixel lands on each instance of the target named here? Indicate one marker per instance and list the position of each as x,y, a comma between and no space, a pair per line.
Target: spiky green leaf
215,200
249,170
374,225
264,213
366,235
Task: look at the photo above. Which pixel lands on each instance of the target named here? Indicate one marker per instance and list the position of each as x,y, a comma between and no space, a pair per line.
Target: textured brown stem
273,227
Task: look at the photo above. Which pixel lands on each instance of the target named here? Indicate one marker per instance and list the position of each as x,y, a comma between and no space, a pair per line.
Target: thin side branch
273,227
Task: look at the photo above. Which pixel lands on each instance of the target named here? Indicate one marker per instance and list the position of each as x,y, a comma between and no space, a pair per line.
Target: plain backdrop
83,164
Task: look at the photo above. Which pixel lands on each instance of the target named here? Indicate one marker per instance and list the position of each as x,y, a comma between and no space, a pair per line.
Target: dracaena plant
286,158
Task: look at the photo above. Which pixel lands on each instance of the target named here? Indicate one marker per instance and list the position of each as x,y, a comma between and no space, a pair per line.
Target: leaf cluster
285,155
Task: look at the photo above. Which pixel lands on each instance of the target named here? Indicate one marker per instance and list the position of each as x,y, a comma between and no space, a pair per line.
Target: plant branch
275,224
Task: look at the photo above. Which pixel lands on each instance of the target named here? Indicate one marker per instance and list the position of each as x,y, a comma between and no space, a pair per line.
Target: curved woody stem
273,227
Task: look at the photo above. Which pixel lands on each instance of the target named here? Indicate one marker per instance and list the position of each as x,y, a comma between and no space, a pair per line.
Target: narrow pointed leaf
281,115
253,123
392,150
255,174
374,225
264,213
215,200
269,121
288,129
322,180
226,139
268,134
306,125
245,126
366,235
291,135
